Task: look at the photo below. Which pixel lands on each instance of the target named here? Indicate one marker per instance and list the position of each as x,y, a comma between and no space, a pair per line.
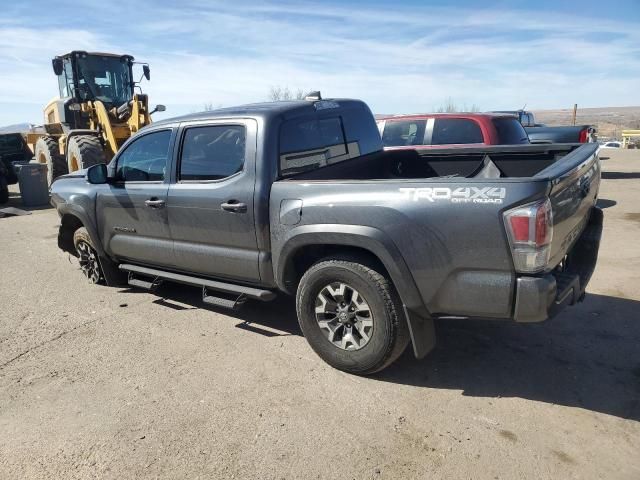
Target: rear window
450,131
312,142
510,131
403,133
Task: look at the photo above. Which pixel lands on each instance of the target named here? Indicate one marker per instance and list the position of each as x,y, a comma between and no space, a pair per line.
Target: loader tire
47,152
84,151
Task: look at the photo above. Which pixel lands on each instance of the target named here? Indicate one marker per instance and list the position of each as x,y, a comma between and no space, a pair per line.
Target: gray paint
444,258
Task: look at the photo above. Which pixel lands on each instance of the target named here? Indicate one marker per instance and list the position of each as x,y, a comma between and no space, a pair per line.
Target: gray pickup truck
300,198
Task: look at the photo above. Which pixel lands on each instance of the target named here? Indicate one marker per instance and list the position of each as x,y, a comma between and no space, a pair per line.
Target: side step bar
241,291
231,303
140,283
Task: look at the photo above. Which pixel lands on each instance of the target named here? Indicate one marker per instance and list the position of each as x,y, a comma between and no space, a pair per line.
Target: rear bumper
540,298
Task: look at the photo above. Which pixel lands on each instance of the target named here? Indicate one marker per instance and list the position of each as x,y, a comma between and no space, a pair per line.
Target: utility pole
575,111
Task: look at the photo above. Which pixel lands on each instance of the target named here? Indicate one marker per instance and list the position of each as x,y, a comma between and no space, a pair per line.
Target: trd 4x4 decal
457,195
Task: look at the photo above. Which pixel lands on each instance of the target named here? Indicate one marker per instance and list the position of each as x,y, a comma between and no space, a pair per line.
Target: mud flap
113,276
422,331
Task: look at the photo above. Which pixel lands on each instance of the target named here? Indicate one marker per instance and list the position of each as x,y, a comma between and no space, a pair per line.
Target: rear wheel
84,151
47,152
87,256
351,315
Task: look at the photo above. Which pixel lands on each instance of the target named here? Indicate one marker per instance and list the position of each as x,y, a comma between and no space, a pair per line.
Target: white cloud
396,58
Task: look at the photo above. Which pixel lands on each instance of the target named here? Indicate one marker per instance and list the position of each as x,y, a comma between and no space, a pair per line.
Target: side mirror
159,108
97,174
146,71
57,66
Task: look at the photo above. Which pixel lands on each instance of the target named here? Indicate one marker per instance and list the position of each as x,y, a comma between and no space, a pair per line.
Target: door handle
234,206
154,203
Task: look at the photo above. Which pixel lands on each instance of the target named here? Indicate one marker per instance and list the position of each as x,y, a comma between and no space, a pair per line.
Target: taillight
530,230
584,135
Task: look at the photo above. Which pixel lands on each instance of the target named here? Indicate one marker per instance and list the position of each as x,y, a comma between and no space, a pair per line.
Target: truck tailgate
575,182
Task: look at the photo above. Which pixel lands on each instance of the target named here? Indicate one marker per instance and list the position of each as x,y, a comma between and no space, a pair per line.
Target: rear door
210,203
131,212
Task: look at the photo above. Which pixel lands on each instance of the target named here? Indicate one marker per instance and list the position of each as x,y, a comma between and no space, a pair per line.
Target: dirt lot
98,382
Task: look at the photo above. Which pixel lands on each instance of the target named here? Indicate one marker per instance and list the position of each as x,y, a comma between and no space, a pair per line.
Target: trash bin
32,178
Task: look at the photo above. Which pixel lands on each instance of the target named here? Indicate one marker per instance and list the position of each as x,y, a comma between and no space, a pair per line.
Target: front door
132,211
210,204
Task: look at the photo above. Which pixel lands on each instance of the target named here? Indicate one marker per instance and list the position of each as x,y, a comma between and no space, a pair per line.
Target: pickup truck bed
445,221
373,244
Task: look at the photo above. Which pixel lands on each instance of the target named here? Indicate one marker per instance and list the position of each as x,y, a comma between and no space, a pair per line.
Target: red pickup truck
437,130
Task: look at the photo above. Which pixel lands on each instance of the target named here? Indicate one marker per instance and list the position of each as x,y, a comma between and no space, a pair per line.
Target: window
526,119
65,80
450,131
363,136
310,143
403,133
145,159
510,131
104,78
212,153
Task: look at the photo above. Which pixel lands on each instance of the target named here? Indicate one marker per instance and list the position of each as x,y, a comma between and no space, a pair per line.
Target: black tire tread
399,338
89,149
55,161
82,234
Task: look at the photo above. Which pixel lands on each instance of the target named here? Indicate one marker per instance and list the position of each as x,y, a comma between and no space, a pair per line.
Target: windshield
104,78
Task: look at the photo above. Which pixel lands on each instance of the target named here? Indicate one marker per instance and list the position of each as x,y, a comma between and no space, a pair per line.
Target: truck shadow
620,175
586,357
275,318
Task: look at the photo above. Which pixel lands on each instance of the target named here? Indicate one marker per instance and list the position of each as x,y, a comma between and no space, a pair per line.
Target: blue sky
397,56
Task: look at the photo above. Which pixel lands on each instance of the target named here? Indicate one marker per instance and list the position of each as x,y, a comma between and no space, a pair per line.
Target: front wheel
351,315
87,256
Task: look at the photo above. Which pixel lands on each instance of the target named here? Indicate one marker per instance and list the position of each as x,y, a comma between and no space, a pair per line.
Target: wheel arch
305,245
72,218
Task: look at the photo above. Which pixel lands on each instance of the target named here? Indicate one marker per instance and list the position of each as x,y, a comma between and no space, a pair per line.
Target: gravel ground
97,382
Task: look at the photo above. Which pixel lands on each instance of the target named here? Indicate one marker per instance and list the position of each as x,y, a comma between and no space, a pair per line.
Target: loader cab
84,77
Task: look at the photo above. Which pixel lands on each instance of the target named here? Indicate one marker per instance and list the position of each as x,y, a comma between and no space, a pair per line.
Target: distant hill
16,128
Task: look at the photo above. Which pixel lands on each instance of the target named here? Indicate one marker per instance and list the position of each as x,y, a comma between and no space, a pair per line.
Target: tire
387,337
47,152
4,190
84,151
87,256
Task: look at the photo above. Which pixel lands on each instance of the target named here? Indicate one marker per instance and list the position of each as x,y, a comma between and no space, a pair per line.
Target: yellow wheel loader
97,111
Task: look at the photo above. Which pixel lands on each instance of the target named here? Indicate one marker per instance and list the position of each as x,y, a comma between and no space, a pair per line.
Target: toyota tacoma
300,198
